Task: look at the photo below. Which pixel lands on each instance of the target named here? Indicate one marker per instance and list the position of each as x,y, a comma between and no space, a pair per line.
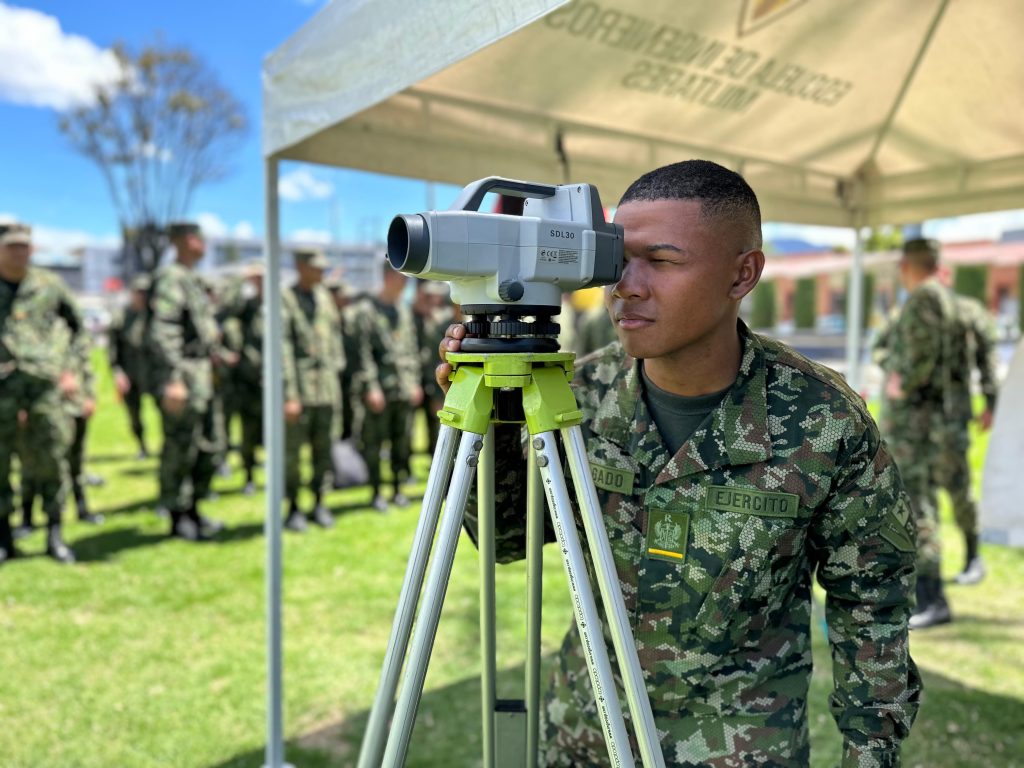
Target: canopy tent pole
855,311
273,440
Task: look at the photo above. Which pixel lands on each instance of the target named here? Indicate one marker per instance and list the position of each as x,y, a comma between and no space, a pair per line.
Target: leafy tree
162,129
804,310
884,239
971,280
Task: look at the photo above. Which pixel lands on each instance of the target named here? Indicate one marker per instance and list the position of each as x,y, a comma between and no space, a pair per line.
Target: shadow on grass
106,545
958,727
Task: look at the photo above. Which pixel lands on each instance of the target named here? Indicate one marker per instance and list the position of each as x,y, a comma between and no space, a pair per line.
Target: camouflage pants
918,455
953,473
193,449
429,408
315,426
133,402
250,411
393,424
76,454
42,442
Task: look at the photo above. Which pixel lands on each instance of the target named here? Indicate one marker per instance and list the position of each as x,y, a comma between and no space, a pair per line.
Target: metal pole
433,597
273,439
534,600
588,621
611,596
488,641
855,312
376,729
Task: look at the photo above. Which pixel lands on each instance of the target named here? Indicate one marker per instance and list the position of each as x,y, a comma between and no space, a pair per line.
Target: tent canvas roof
838,112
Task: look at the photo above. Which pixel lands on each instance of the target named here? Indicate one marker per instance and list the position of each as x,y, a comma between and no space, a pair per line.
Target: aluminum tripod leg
611,597
587,620
488,641
376,730
433,597
534,599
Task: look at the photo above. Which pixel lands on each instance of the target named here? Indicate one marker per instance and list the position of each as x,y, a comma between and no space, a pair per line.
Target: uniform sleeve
410,367
369,376
289,372
863,541
79,336
917,341
338,349
167,332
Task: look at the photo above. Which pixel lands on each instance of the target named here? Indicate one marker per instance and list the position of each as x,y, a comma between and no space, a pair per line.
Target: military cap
141,283
314,257
921,244
183,229
922,251
16,234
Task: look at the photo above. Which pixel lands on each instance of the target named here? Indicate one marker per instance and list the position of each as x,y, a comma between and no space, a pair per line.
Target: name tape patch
612,479
749,501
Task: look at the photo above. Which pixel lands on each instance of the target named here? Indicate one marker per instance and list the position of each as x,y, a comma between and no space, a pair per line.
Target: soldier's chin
635,347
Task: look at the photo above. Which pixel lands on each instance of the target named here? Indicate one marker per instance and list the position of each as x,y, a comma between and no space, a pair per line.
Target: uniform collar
735,434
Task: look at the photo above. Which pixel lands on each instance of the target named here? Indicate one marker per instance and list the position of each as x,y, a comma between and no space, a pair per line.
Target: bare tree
165,127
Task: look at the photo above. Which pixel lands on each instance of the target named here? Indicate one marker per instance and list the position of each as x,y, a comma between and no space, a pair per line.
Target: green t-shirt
678,417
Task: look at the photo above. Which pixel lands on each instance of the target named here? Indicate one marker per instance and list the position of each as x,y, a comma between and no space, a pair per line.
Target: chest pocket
686,611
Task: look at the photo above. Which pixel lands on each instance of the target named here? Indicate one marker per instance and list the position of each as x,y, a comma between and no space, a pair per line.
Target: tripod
510,386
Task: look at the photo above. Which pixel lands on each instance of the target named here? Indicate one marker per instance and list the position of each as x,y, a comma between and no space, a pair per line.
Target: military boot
974,569
208,526
296,520
27,526
934,610
84,515
7,550
55,546
321,515
183,526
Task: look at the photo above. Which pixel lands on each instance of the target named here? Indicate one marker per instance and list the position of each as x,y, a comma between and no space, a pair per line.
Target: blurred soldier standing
129,358
313,360
35,382
926,345
954,471
432,314
358,359
183,338
596,331
394,391
245,307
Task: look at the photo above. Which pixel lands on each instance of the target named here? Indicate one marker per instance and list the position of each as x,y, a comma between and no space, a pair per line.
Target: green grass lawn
150,652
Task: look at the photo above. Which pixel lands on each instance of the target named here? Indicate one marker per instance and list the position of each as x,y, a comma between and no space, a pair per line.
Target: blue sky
48,48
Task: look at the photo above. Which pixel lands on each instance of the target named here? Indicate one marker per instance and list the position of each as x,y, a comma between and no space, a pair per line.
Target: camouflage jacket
430,330
81,366
127,347
396,362
980,330
596,331
183,333
31,321
312,351
715,549
927,348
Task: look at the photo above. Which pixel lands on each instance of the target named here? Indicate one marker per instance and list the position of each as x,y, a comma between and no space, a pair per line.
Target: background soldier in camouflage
926,345
596,331
432,313
359,363
954,471
730,470
183,339
36,382
392,389
128,354
243,307
313,360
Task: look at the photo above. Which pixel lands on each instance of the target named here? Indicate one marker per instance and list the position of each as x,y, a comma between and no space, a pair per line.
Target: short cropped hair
722,194
922,252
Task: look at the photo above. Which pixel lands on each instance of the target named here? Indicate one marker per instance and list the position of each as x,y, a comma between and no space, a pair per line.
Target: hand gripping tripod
483,385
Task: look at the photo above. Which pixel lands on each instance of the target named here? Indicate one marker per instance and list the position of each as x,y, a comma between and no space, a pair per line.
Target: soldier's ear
748,268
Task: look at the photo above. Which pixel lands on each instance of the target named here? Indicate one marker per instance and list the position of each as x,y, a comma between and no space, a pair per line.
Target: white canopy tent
840,112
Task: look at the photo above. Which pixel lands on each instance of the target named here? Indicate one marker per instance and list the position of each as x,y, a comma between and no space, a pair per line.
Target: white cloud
212,224
310,236
301,184
42,66
56,239
244,230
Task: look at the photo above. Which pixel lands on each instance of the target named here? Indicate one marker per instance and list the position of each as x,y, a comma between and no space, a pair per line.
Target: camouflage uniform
715,549
430,330
391,333
243,309
128,353
953,470
313,359
40,331
359,366
925,346
596,331
183,337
